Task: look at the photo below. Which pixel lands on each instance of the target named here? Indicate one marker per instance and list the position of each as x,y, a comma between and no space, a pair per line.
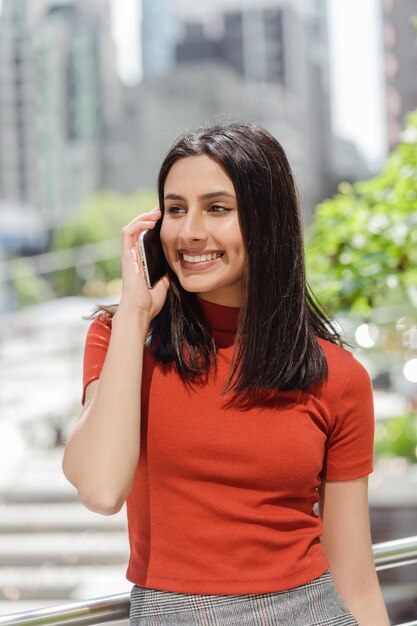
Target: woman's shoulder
334,352
343,367
339,357
99,327
102,317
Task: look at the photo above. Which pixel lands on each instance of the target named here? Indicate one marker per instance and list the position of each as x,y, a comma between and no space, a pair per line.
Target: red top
222,501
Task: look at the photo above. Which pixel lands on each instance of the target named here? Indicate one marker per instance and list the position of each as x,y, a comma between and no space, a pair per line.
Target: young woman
221,405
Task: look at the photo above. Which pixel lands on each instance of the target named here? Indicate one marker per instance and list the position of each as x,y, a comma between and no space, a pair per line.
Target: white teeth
203,257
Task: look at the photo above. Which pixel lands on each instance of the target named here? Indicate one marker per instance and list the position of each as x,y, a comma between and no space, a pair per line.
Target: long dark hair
276,346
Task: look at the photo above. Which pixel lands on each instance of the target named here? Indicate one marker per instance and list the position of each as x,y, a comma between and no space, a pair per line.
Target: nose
192,228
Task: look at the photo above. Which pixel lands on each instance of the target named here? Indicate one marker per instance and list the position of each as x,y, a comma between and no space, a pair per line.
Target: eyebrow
205,196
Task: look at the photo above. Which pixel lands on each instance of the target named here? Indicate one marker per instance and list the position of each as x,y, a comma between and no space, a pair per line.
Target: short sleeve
350,444
95,350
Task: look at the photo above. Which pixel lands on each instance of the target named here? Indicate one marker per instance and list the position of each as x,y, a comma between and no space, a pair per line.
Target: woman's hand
136,294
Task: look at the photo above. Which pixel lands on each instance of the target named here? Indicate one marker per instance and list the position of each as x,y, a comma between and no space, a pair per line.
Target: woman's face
201,218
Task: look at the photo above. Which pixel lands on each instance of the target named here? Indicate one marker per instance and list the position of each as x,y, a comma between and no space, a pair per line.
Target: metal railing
115,608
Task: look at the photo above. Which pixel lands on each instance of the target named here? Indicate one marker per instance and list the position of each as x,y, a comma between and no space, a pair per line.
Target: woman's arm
102,451
343,507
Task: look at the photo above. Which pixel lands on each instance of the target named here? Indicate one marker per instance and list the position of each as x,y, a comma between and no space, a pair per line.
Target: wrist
127,314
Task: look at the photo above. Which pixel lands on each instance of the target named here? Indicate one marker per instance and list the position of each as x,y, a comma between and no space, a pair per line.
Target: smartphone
152,254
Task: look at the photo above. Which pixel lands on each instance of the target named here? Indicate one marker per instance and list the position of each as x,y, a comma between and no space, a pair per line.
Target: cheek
239,247
232,237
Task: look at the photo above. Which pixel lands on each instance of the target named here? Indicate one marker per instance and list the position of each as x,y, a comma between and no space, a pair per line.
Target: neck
223,321
232,300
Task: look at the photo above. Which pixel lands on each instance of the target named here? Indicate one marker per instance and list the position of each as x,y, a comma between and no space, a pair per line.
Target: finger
163,283
130,231
152,216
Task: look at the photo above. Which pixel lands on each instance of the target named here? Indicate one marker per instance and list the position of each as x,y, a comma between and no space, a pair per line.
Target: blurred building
400,43
263,61
280,51
59,95
348,163
250,41
158,37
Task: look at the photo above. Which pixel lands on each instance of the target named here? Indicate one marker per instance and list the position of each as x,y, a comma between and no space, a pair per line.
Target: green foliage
29,287
99,219
361,249
397,436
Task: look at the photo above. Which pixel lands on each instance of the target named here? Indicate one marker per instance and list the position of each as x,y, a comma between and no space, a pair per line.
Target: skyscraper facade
158,35
400,43
17,178
280,51
54,107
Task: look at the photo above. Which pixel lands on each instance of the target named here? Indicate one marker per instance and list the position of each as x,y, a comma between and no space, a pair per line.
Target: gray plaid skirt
316,603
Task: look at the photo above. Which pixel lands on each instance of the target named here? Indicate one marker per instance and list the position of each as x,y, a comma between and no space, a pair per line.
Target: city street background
92,95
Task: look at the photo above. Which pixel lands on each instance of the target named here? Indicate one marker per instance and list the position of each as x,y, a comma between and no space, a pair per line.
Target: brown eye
223,209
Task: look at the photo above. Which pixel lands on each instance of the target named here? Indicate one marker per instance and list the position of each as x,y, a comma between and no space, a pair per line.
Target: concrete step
89,547
56,517
36,477
50,582
27,496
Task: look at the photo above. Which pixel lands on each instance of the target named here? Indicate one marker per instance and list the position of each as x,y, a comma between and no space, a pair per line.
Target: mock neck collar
223,321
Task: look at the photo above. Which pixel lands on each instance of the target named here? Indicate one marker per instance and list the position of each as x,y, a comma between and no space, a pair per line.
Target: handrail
84,613
387,554
115,608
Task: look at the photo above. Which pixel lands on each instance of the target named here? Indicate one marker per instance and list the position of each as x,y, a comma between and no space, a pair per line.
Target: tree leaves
363,242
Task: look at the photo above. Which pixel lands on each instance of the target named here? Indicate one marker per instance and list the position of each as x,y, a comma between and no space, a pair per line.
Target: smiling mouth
203,258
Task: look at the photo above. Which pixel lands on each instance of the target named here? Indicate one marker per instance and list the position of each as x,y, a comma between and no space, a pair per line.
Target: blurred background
92,94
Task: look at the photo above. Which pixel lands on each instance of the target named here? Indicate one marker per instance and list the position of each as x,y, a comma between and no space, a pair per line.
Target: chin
195,288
